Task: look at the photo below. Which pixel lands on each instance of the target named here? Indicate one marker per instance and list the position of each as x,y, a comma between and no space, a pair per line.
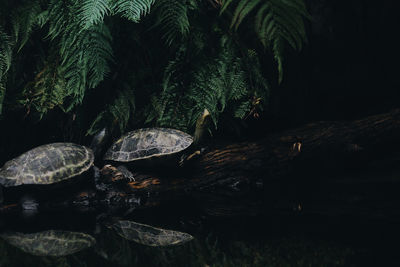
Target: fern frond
85,64
5,52
60,14
223,84
217,84
42,18
92,12
84,54
98,51
132,9
173,18
276,22
242,10
5,63
170,108
47,91
24,19
117,114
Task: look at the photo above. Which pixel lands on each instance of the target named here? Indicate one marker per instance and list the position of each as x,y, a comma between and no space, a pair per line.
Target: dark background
348,69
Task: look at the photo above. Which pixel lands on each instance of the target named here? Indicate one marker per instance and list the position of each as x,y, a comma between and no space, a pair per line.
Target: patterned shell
50,243
147,143
47,164
148,235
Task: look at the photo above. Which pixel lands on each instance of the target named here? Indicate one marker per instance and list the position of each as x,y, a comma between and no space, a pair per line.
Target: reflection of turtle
50,243
148,235
46,164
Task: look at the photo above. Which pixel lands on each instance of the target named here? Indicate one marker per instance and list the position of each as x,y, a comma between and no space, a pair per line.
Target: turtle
154,143
148,235
148,143
50,242
47,164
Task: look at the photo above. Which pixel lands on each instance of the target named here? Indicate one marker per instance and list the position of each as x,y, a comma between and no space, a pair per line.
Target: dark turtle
147,143
50,243
47,164
149,235
150,143
154,142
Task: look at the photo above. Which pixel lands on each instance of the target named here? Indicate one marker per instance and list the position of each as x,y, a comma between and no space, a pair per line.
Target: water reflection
118,250
148,235
227,247
49,243
295,237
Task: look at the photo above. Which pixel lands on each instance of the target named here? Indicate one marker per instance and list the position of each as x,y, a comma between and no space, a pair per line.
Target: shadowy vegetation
123,64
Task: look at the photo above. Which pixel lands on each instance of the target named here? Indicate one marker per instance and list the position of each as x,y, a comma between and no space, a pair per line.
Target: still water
257,241
358,227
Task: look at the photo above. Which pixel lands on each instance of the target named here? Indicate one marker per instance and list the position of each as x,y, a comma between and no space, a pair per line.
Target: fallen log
312,147
248,170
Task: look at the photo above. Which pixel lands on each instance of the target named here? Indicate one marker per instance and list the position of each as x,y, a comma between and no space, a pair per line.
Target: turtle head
201,126
98,143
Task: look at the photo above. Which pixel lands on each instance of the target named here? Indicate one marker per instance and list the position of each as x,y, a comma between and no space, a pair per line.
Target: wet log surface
291,166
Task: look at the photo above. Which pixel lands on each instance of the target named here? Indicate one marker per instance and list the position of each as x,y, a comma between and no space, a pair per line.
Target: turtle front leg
111,174
126,173
187,158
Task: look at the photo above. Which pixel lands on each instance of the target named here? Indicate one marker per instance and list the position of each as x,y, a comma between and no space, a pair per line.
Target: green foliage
24,20
5,63
163,71
84,51
81,48
132,9
275,21
173,19
92,12
117,113
46,91
224,84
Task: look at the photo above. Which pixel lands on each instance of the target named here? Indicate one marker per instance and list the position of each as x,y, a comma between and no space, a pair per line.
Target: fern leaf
117,114
242,10
225,5
92,12
132,9
99,52
274,21
47,91
173,18
220,84
5,63
59,15
84,54
5,52
24,19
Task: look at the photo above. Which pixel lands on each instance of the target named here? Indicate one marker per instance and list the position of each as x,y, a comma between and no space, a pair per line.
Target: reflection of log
263,166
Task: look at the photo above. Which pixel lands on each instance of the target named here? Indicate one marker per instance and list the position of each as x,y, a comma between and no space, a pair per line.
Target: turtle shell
47,164
148,142
50,243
